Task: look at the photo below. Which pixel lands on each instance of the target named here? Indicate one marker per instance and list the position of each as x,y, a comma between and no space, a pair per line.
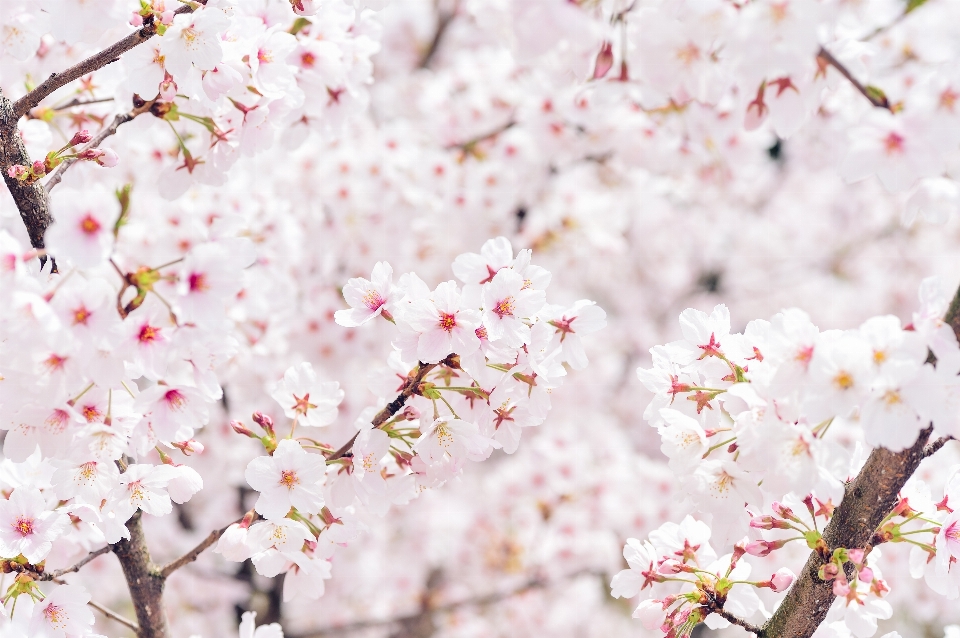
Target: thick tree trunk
144,580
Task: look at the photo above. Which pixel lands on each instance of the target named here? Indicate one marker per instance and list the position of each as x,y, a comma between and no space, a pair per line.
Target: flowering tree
210,192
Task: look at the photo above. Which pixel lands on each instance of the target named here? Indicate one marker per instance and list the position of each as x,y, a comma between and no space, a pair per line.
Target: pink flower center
91,413
23,526
373,300
447,321
504,308
198,282
57,421
80,315
55,615
89,225
174,400
302,404
893,143
148,333
481,333
288,479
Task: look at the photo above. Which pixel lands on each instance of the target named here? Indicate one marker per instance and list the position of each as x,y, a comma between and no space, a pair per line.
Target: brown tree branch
877,98
409,388
866,502
96,141
932,448
444,18
114,616
31,199
75,568
480,601
144,581
97,61
194,553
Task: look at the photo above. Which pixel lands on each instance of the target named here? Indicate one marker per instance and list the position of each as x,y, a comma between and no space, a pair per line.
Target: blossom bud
829,572
855,556
670,567
240,428
866,575
263,421
168,89
167,17
136,20
39,168
80,137
763,548
768,522
108,159
781,580
783,511
17,171
410,413
189,447
604,61
840,586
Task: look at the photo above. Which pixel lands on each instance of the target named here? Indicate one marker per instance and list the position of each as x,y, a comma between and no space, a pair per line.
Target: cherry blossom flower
248,630
367,298
304,398
27,527
474,268
446,327
62,614
192,41
290,478
83,232
506,303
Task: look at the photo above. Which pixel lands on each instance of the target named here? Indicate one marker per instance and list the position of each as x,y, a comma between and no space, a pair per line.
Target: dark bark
144,581
31,199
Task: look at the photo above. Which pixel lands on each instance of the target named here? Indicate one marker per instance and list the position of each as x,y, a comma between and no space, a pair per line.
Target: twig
75,568
877,98
410,387
469,144
194,553
480,601
97,61
112,615
444,19
730,618
932,448
122,118
78,102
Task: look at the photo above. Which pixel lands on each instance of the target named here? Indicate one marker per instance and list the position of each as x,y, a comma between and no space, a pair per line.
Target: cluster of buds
39,169
149,13
785,518
848,567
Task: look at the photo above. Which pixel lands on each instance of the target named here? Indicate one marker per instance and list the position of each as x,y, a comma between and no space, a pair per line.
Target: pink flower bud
17,171
855,555
866,575
768,522
782,510
781,580
604,61
39,168
263,421
763,548
829,571
411,413
80,137
108,159
167,17
670,567
841,587
168,89
189,447
240,428
136,19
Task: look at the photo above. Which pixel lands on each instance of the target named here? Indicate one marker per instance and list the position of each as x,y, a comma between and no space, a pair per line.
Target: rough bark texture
144,581
31,199
866,502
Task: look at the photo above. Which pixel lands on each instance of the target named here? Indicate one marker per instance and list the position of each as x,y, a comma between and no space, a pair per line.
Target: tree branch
194,553
410,387
144,581
480,601
866,502
112,615
97,61
876,97
444,18
932,448
733,620
75,568
31,199
97,140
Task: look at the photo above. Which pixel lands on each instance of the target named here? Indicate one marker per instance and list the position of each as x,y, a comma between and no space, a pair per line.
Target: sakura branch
107,56
872,93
